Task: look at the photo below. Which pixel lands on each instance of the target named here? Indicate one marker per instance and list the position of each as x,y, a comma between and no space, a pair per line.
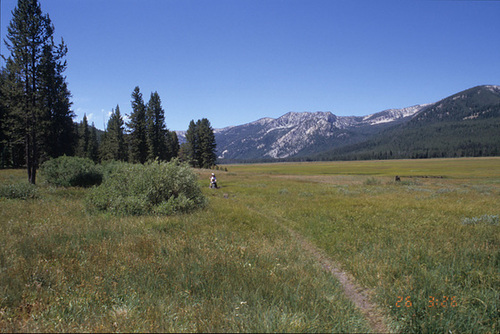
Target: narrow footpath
358,295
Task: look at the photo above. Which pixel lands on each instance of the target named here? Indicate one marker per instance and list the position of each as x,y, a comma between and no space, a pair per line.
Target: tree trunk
28,155
34,157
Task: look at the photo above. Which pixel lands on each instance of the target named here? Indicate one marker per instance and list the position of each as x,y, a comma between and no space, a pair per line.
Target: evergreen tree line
36,120
200,147
469,138
145,137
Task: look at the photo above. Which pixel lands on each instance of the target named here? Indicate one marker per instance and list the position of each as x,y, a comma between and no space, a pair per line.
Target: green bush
371,181
110,167
155,187
71,172
18,191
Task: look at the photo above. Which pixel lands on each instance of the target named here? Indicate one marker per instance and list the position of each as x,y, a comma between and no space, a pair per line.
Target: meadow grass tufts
230,267
221,269
408,241
371,181
484,219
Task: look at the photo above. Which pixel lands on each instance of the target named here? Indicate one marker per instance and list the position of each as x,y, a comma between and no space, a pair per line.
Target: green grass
220,269
405,240
455,168
233,267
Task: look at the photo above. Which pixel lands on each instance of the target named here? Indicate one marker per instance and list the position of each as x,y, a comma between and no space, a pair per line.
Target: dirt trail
357,294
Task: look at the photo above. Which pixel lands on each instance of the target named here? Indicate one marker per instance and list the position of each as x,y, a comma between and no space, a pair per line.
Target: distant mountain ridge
449,127
463,124
302,133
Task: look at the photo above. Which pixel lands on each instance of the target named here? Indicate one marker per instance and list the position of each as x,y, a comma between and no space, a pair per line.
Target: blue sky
235,61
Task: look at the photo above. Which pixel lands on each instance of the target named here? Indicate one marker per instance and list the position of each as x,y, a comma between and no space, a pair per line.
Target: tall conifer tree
207,145
4,138
57,132
191,150
93,150
200,147
113,142
12,122
172,144
84,138
156,129
37,92
137,128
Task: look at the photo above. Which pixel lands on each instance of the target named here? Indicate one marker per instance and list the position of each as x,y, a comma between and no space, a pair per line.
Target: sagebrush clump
153,188
18,191
71,172
484,219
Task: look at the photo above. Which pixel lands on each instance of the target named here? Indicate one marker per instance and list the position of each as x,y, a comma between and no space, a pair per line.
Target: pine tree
172,144
191,150
184,153
93,150
12,94
113,142
88,146
156,129
57,133
200,147
207,144
84,139
137,128
37,93
4,138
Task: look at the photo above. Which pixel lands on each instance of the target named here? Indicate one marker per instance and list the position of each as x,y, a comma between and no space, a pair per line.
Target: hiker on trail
213,181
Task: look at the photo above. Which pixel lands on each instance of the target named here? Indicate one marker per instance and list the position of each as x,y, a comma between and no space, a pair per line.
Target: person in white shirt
213,181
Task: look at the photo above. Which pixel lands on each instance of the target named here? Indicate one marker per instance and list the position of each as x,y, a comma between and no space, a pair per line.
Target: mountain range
464,124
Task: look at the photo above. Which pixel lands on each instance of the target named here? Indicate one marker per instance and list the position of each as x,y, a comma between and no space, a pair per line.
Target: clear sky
235,61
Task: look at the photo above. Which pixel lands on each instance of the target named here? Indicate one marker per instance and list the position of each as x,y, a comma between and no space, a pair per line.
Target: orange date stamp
442,301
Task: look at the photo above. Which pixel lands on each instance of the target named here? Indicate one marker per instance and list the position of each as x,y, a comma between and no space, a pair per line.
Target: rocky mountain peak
305,133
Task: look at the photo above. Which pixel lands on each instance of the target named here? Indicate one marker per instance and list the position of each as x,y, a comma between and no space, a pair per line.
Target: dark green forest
466,124
451,140
36,119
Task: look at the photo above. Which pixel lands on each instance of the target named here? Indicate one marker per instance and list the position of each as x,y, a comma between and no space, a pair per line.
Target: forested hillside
464,124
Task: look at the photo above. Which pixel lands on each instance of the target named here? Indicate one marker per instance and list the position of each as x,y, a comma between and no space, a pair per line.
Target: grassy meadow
427,247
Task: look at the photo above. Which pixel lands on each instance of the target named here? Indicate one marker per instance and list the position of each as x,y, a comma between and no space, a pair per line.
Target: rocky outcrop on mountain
300,133
310,134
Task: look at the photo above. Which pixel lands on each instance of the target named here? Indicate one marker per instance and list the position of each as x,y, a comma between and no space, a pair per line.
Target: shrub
71,172
110,167
484,219
18,191
371,181
155,187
